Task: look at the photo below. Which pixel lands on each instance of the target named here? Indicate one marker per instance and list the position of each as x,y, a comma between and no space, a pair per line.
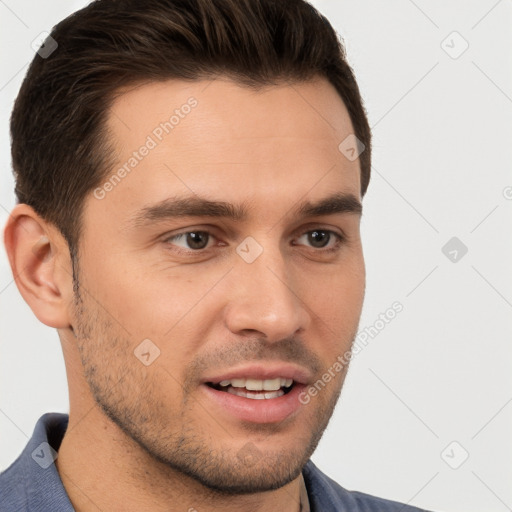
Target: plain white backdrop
426,412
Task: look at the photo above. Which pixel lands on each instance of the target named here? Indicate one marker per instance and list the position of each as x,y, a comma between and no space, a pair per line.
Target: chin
265,474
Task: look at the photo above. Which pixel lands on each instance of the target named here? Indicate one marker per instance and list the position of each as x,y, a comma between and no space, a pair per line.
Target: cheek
144,301
170,308
336,305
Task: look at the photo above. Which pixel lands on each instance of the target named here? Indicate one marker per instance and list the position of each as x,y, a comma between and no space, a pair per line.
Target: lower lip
268,410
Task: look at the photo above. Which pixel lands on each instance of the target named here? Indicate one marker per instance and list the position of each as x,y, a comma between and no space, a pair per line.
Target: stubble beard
185,448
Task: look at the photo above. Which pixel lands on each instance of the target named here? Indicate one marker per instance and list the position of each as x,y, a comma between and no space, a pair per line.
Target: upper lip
262,371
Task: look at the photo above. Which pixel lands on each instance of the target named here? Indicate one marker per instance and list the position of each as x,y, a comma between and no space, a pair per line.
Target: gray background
434,385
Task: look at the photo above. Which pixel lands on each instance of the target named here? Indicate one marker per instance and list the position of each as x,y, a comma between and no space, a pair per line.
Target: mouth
255,389
257,393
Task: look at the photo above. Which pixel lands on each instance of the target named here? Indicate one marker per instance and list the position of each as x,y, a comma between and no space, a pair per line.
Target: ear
41,265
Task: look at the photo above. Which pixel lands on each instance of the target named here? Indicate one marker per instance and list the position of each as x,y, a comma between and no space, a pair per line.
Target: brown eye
320,238
193,240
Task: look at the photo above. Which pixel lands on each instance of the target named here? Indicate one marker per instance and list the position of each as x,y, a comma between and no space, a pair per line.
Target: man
189,177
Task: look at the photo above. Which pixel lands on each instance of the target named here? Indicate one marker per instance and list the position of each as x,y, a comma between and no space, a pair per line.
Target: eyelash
338,237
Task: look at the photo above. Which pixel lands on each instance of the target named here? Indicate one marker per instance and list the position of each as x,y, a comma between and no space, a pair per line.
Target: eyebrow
194,206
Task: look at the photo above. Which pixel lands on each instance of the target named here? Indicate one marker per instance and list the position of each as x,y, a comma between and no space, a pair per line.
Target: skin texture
147,437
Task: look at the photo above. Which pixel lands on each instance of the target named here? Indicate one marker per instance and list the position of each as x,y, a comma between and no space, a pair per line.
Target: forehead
218,139
224,103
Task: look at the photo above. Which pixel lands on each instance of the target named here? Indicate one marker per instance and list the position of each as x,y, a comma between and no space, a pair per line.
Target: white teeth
274,394
254,384
272,384
255,396
258,384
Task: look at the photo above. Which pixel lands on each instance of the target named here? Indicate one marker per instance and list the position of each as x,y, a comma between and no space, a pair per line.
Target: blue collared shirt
32,484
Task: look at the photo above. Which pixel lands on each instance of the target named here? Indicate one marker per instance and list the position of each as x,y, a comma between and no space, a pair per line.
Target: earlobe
38,256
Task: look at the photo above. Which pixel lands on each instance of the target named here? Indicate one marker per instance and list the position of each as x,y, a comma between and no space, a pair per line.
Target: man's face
223,304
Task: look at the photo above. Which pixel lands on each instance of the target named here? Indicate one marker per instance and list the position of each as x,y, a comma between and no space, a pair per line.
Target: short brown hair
60,148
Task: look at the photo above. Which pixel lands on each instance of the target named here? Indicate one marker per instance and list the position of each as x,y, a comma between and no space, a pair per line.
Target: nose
265,298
